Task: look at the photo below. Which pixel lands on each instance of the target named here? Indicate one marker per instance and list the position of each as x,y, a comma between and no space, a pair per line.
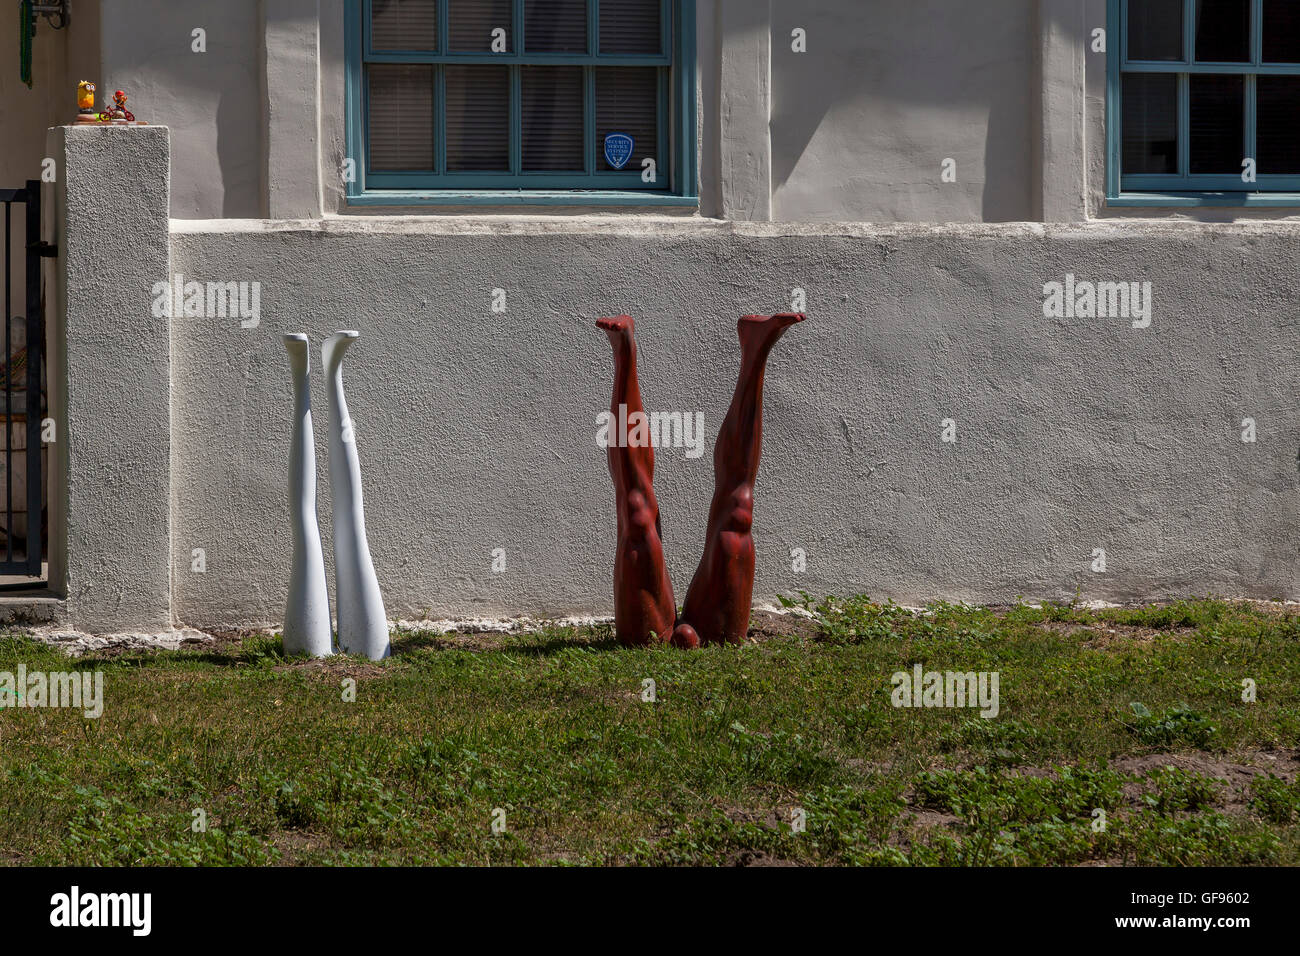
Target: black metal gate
22,492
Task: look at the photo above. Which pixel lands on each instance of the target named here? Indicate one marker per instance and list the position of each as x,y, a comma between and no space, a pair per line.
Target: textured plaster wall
887,90
477,430
109,366
212,101
853,130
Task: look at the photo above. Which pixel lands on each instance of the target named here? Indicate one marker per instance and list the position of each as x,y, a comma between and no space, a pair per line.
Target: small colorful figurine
119,113
86,102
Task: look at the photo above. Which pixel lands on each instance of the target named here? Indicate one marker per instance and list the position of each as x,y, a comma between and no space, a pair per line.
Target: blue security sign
618,149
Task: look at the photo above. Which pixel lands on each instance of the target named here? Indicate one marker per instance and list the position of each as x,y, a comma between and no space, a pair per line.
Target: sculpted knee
740,511
640,515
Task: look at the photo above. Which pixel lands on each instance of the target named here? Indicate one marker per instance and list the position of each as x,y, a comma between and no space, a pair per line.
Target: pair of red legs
718,600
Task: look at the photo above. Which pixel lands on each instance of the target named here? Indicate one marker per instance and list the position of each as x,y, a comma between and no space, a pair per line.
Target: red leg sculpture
718,601
643,594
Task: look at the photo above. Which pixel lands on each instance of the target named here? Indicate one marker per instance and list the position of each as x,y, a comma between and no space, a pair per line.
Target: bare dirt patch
450,641
295,844
1243,766
928,819
334,666
766,625
756,858
1112,636
224,640
1237,772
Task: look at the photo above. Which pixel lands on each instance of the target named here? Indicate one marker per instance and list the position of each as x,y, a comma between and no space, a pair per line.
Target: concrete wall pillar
291,108
1059,120
110,379
745,87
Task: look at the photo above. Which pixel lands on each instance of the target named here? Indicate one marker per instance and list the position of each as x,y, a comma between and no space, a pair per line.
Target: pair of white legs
362,624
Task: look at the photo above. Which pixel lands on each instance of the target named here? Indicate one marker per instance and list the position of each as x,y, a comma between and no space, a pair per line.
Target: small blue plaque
618,149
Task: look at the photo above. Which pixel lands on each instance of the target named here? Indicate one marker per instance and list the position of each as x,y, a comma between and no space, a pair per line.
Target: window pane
1155,29
1223,31
401,116
552,117
1150,123
404,24
555,26
1218,123
471,22
1277,135
627,101
1281,31
478,118
629,26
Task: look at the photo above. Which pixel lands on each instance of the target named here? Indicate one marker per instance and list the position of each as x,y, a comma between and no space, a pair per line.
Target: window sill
513,197
1239,199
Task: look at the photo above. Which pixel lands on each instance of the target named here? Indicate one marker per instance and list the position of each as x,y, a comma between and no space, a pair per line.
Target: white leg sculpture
363,626
307,611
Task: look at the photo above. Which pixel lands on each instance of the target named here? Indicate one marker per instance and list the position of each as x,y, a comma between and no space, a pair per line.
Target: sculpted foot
758,333
620,330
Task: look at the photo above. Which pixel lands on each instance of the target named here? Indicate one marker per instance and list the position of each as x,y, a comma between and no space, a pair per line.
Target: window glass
471,23
1223,31
404,24
629,26
401,116
478,118
555,26
1155,29
1217,123
552,118
627,101
1150,124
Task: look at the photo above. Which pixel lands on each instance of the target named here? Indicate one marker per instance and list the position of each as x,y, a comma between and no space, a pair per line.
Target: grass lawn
1134,716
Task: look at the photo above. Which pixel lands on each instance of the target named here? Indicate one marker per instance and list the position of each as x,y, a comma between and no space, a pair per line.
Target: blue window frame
1194,89
509,101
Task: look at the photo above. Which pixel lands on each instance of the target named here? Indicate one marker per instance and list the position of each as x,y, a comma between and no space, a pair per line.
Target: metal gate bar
33,410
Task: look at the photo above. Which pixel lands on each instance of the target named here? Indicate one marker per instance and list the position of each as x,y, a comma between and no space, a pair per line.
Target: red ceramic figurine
644,611
119,111
717,604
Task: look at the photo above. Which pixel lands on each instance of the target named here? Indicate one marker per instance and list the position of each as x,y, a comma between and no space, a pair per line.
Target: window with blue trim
575,99
1203,96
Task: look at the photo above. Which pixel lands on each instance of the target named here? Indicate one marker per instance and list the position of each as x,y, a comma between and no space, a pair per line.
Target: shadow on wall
210,98
241,197
862,122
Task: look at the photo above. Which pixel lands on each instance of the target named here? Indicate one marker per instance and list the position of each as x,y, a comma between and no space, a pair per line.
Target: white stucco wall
862,122
110,372
855,129
211,101
477,430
